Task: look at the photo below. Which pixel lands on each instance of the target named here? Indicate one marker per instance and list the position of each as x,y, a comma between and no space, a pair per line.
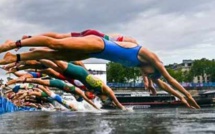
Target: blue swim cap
16,88
79,99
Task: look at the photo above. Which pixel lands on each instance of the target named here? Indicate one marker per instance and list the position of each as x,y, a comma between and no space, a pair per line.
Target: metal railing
141,85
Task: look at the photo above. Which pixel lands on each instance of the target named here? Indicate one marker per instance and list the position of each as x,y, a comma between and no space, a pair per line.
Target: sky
174,29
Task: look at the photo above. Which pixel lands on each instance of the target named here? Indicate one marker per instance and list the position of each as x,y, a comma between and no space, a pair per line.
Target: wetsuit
76,83
44,94
60,100
63,86
79,73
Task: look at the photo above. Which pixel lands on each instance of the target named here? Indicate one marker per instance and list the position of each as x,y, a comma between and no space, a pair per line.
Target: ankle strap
18,58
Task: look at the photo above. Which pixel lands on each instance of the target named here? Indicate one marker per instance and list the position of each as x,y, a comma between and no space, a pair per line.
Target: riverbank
193,92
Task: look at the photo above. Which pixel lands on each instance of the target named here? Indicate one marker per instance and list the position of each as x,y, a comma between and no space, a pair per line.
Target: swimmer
80,48
92,83
55,83
112,37
46,92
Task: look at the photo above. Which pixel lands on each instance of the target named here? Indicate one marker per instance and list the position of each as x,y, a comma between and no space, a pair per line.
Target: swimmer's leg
83,44
60,100
34,55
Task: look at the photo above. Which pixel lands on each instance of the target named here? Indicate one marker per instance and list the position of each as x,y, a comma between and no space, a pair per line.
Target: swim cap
16,88
79,99
90,95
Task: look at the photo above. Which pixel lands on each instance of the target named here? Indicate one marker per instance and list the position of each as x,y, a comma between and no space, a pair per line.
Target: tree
178,74
132,73
203,67
119,73
187,77
115,72
211,70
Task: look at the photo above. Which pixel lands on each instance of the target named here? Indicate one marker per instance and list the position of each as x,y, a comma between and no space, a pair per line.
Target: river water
145,121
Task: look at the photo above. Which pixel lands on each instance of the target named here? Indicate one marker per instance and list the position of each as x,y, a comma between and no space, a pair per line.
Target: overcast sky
173,29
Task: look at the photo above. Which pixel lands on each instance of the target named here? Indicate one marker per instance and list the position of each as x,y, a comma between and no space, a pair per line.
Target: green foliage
187,77
200,67
203,66
178,75
115,72
118,73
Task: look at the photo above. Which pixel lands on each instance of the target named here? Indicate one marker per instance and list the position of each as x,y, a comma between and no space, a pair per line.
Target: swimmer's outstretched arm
155,61
167,88
58,98
148,84
107,90
82,94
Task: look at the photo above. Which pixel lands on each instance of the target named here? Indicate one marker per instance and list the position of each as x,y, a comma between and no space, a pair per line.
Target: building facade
185,66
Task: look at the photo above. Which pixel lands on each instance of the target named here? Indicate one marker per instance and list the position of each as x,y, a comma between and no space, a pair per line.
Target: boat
141,100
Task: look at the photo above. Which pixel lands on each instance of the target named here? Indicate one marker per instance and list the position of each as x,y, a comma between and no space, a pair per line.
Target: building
98,67
98,70
186,66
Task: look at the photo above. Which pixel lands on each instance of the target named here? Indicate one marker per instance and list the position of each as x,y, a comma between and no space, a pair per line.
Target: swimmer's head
79,99
90,95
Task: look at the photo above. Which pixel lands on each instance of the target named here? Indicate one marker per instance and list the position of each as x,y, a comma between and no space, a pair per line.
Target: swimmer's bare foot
192,102
8,58
8,45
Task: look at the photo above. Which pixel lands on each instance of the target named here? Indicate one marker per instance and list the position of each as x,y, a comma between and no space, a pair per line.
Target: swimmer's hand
183,100
193,103
124,108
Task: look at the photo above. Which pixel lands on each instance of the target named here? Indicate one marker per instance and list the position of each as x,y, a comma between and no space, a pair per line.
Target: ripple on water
150,121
